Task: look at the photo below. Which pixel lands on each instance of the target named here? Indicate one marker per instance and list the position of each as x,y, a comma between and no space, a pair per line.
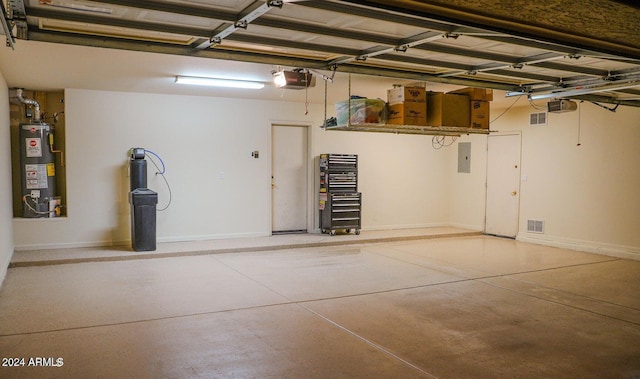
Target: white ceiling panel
227,5
171,19
404,40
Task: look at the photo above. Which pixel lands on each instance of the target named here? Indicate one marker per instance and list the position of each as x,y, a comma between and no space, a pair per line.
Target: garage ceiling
584,49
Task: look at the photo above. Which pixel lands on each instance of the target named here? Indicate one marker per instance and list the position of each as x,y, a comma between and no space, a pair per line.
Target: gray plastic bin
143,219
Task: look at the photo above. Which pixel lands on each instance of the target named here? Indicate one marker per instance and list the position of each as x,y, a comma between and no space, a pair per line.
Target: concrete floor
434,307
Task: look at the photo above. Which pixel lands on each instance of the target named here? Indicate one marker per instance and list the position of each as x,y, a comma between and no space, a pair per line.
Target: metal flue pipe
36,105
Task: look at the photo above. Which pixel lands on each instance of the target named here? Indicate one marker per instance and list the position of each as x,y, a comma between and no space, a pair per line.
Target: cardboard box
408,113
363,111
475,93
399,95
479,114
447,109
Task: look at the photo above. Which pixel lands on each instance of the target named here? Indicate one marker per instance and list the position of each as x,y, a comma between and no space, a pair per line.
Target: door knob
514,193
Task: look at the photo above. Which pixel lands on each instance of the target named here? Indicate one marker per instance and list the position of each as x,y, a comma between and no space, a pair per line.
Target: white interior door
289,178
503,185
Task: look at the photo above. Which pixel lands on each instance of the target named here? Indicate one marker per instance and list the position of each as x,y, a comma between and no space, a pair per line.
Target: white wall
467,191
403,180
6,211
588,194
203,138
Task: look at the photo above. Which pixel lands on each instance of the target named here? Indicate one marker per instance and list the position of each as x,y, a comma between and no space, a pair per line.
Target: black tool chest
340,201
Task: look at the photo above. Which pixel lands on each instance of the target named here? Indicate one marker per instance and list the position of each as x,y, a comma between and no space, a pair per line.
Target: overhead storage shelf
369,110
409,129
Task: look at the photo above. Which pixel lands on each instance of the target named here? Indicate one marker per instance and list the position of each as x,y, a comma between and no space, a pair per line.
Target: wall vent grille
535,226
539,118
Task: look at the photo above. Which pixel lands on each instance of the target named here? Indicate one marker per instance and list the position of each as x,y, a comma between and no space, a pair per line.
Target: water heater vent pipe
35,104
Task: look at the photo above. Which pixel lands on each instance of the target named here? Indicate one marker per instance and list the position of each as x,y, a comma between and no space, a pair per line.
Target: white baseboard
392,227
205,237
68,245
406,226
613,250
71,245
477,228
88,244
3,272
474,228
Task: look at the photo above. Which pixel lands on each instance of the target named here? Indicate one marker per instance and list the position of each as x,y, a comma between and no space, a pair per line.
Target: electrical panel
464,157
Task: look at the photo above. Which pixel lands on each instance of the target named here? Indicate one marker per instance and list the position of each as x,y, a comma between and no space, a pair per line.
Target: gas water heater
37,166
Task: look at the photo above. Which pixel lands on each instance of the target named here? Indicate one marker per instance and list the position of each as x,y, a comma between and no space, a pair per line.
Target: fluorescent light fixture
217,82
